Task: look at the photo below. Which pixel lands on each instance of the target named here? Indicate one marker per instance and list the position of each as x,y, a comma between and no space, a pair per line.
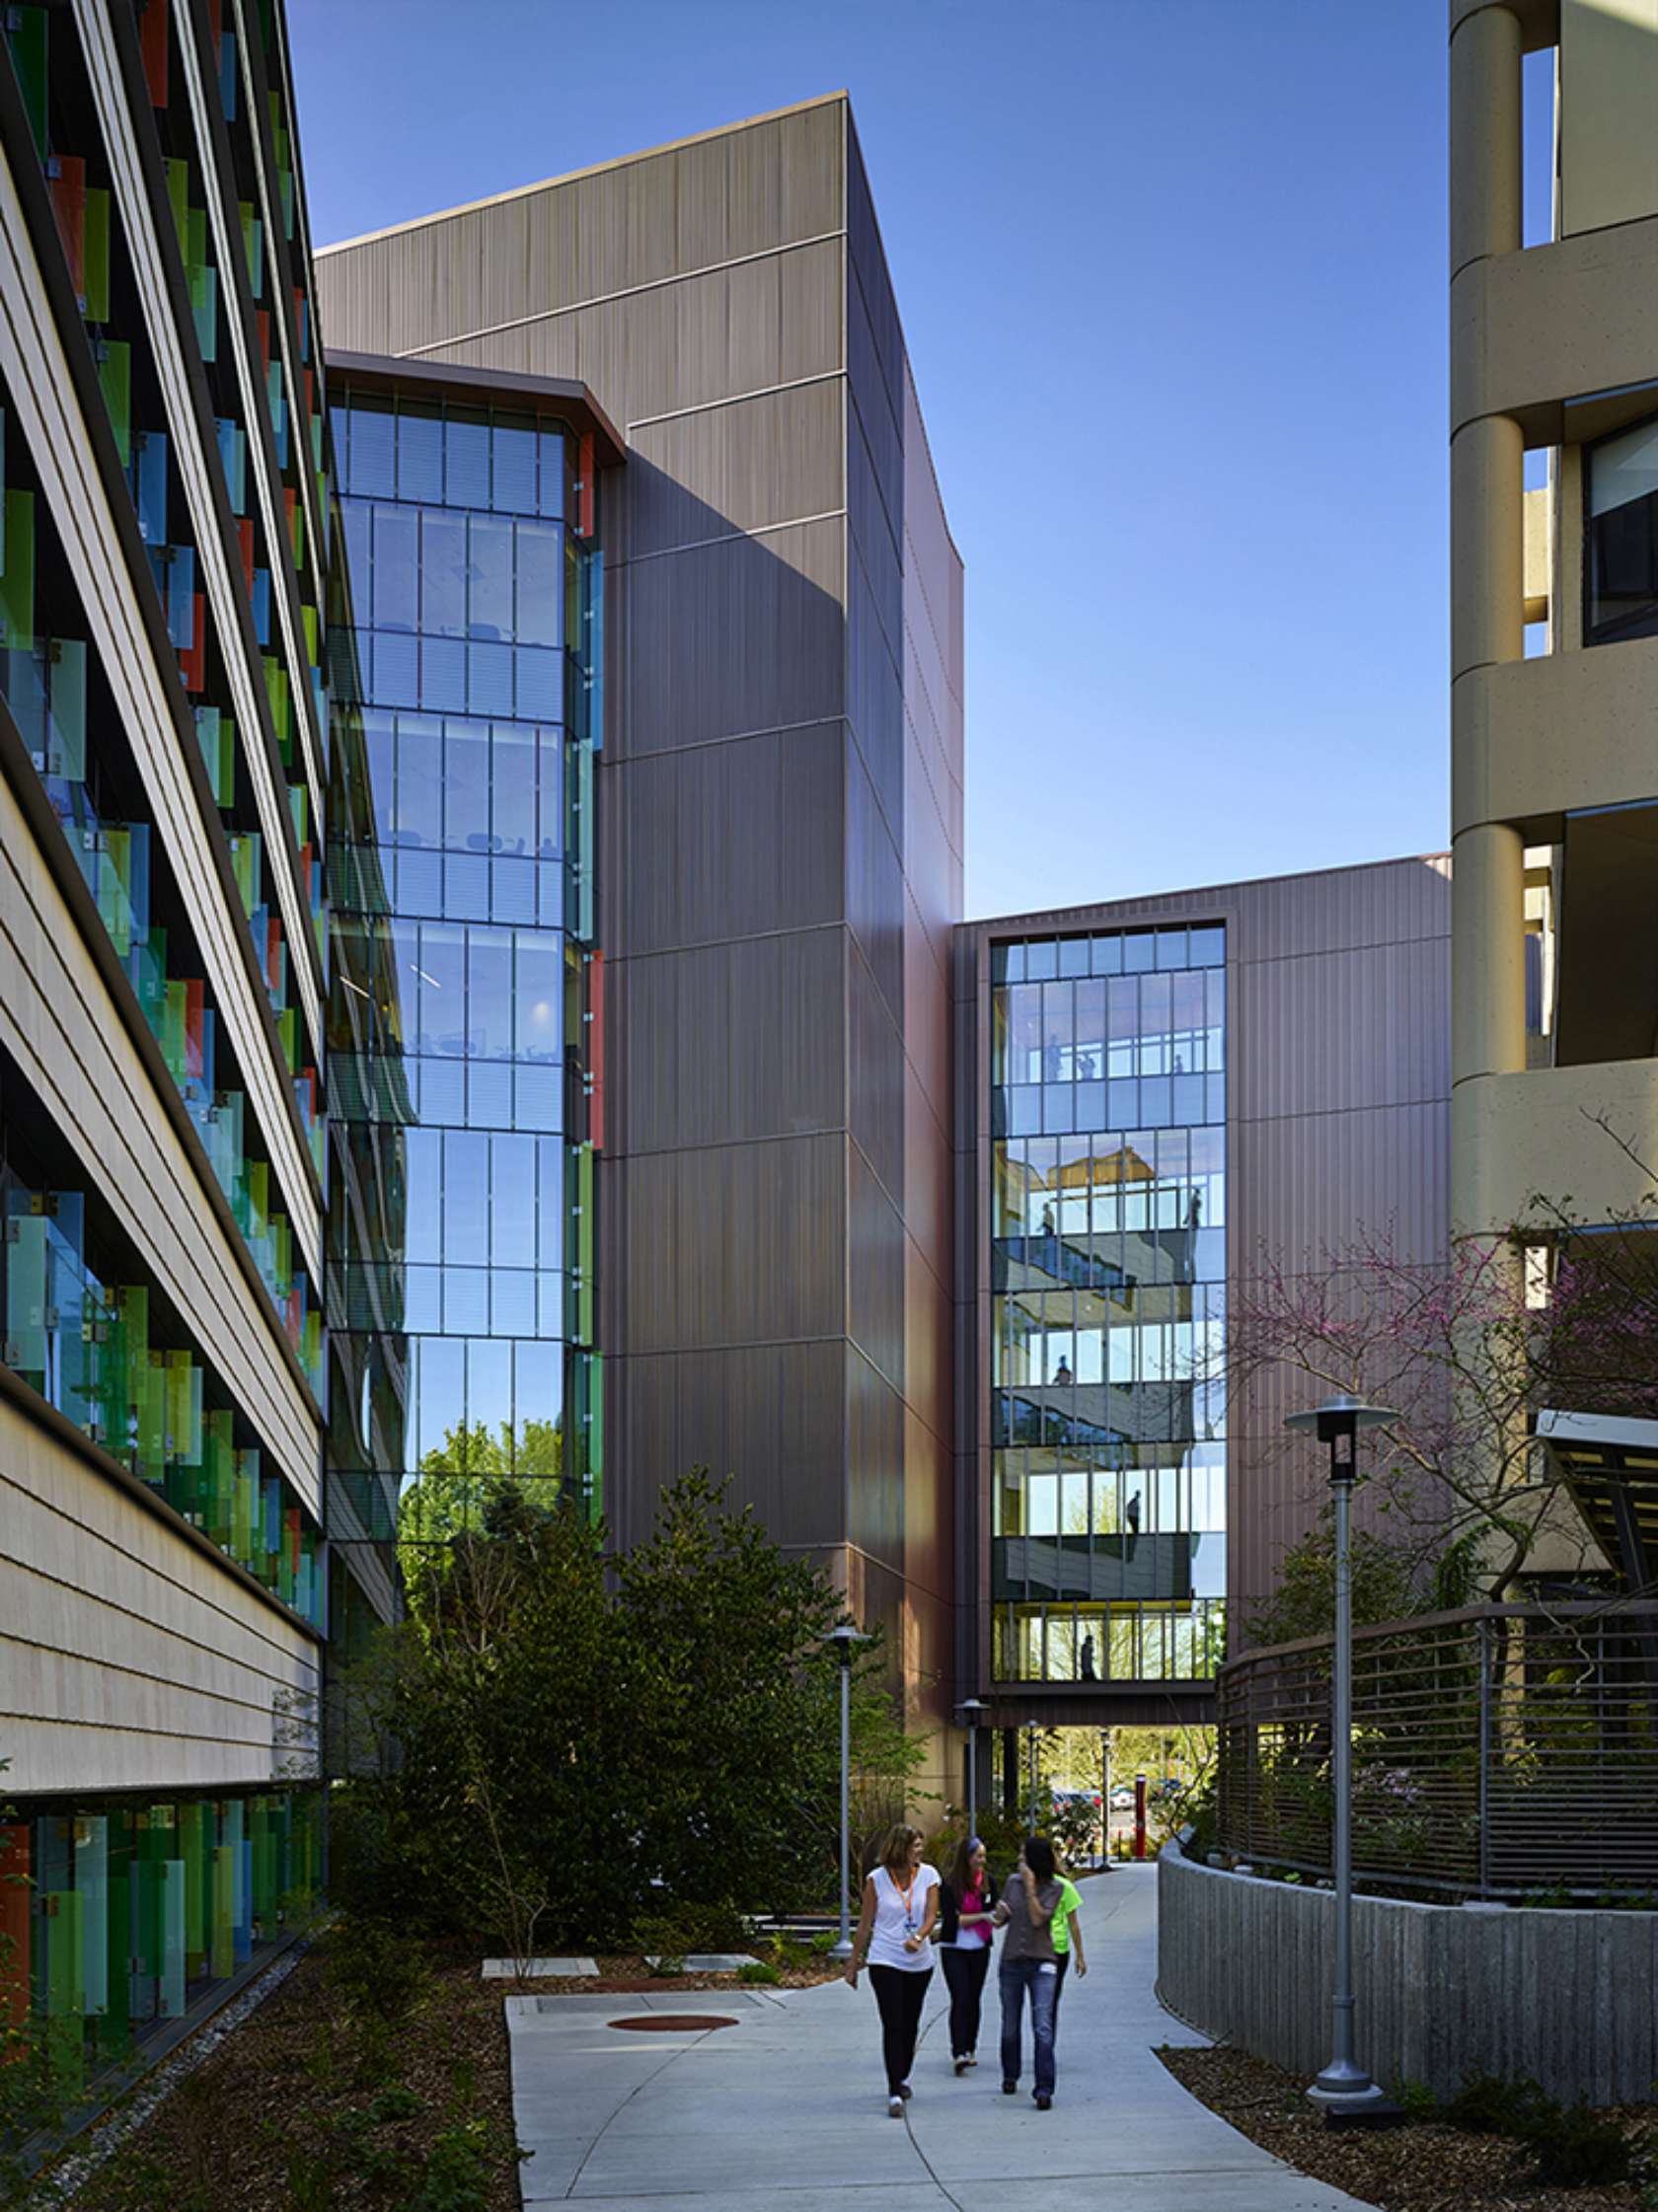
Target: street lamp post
1344,2088
1030,1727
1105,1801
970,1707
845,1641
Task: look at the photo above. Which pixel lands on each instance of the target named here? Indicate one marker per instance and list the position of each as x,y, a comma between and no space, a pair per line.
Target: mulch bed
625,1974
310,2103
1425,2166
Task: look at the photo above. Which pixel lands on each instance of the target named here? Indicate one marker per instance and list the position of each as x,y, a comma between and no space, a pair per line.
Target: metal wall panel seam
105,1601
45,1422
105,1664
63,462
601,299
733,399
729,538
251,54
28,992
233,261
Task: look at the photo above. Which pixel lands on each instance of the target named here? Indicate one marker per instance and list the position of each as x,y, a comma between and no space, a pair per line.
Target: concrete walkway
789,2107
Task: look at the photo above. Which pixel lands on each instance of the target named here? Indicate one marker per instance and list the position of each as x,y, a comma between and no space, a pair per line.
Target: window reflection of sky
1109,1281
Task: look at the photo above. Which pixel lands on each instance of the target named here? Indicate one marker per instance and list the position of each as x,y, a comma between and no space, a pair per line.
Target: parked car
1122,1800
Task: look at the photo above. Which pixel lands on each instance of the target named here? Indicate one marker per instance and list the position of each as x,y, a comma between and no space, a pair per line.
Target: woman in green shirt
1066,1935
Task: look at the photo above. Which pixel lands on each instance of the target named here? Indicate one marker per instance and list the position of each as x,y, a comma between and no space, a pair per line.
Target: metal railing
1502,1751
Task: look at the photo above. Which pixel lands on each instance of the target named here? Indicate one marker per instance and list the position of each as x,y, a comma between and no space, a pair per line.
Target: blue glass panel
1208,947
1040,961
227,75
1139,951
1171,948
1074,956
149,486
1108,956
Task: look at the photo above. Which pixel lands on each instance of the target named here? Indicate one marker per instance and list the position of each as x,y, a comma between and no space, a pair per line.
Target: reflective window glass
443,564
419,439
1621,499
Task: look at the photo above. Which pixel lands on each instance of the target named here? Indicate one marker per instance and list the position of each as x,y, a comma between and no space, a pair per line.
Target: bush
1416,2100
760,1972
377,1967
1578,2150
1492,2105
679,1928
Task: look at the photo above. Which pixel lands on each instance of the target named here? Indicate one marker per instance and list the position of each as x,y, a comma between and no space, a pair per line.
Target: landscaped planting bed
1425,2166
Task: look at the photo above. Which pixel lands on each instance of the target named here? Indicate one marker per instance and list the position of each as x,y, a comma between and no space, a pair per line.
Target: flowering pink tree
1467,1352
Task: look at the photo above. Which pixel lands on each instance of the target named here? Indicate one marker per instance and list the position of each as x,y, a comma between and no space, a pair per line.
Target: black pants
965,1972
1064,1959
900,1994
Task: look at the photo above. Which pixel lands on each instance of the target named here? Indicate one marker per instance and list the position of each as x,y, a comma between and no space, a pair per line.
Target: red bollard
1139,1815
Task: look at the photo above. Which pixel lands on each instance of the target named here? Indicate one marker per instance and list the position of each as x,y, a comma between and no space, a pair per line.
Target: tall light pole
1105,1801
1030,1727
1344,2088
970,1707
845,1640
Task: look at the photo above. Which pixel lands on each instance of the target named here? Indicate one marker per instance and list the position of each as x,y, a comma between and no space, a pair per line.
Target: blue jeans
1037,1976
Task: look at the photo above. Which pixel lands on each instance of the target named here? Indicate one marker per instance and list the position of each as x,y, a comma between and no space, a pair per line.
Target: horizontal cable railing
1502,1751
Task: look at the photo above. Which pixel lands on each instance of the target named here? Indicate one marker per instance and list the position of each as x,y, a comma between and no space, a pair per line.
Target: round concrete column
1485,136
1488,953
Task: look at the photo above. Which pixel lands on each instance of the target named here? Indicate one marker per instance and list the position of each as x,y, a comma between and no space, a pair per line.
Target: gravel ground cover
1425,2166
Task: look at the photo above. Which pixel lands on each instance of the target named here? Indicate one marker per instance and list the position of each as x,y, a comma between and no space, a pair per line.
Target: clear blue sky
1172,278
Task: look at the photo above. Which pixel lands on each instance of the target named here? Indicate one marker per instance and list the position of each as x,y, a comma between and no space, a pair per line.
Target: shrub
1579,2149
1492,2105
377,1967
1416,2100
679,1928
668,1965
759,1970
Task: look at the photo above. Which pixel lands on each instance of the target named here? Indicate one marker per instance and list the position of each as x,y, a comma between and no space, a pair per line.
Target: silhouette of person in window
1052,1059
1047,1221
1088,1674
1062,1373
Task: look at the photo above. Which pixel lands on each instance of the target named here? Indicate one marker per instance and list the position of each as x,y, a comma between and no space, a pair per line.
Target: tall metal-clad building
780,819
167,1590
1157,1100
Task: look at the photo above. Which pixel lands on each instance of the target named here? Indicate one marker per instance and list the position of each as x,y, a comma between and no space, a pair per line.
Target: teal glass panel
173,1886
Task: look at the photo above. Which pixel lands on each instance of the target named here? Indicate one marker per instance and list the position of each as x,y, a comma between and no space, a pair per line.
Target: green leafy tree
738,1711
477,1481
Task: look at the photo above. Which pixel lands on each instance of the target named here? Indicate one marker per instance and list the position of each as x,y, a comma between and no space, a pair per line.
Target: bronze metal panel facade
1337,1127
782,802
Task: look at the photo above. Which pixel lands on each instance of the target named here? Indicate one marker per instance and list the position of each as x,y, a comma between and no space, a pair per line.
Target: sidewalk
789,2107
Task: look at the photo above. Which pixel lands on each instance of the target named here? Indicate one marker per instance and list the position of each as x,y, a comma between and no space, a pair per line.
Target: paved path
788,2110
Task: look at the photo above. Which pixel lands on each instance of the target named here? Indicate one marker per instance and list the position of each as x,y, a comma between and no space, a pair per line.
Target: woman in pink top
966,1927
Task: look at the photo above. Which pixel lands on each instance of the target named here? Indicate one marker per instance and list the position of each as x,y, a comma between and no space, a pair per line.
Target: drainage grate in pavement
674,2024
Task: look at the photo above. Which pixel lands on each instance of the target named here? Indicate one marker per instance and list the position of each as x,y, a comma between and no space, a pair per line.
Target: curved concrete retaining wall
1443,1990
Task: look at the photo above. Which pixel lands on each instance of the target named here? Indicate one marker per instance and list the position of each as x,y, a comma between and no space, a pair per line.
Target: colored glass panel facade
464,911
124,1914
1109,1287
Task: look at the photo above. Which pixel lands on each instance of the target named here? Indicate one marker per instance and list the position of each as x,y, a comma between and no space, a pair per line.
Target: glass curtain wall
1109,1287
464,916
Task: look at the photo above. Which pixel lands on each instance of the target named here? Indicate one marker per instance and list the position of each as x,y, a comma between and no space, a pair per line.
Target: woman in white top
900,1905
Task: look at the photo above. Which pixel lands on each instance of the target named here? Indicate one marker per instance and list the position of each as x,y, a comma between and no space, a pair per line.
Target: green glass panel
222,1963
26,1293
17,582
193,1843
174,1888
25,31
113,2032
96,251
178,196
64,1919
114,377
67,737
92,1884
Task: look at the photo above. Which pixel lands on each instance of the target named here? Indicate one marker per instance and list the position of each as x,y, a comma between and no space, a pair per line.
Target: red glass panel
14,1925
151,40
68,198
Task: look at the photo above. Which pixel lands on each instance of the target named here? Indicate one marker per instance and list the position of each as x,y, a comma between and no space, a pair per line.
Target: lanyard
905,1894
